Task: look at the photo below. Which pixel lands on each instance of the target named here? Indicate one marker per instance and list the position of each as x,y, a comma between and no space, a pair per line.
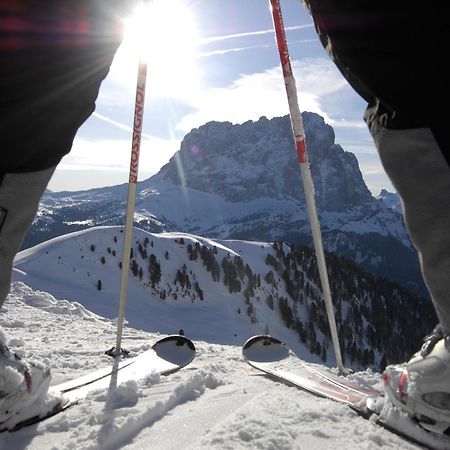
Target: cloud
348,124
232,50
247,48
178,75
252,33
121,125
106,154
105,162
263,94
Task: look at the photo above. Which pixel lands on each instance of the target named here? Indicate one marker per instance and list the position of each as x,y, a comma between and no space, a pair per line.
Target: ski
50,409
275,359
167,355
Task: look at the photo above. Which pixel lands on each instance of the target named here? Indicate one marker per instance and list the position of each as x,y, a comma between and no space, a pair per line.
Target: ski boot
421,387
22,386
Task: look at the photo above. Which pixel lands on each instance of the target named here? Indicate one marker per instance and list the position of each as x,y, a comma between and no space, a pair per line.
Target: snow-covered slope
239,288
70,267
218,402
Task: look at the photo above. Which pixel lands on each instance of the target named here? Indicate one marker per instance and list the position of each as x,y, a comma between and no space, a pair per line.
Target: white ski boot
421,387
22,386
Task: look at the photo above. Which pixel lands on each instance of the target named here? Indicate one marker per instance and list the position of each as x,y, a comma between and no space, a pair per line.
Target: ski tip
175,348
264,348
179,339
265,339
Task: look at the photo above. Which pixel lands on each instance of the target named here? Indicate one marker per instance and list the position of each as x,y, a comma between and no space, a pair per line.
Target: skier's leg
421,175
19,200
47,90
21,383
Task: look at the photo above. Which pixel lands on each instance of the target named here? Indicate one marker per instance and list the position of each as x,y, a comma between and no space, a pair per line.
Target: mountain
243,182
391,200
216,403
238,288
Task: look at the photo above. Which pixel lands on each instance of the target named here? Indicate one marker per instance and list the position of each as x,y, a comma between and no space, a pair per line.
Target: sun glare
164,34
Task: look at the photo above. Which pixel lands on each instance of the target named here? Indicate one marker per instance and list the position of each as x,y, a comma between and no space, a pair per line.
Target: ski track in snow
217,402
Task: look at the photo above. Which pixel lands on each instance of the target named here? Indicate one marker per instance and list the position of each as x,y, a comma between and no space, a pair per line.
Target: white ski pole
299,139
132,181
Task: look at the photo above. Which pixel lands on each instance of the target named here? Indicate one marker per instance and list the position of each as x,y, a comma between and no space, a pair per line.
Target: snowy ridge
69,268
240,288
217,403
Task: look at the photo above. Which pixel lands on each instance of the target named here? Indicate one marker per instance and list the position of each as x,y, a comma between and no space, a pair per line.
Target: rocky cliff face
257,159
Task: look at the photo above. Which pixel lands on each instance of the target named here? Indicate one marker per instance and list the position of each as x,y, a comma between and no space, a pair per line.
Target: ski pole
131,201
299,139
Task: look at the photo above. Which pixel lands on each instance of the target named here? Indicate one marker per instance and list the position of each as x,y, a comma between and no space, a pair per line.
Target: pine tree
198,290
134,267
270,278
383,363
155,270
270,260
142,251
324,355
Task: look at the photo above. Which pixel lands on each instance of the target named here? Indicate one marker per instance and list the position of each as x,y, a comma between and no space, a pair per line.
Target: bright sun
165,35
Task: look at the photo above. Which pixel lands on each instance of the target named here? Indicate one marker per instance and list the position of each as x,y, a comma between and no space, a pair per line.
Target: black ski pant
53,57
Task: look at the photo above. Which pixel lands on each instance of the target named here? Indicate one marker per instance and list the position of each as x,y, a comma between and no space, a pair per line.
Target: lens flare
164,34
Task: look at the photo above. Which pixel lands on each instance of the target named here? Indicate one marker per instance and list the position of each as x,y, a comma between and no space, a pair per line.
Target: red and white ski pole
299,139
131,202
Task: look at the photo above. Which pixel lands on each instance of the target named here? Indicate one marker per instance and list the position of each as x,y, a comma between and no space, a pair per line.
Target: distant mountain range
243,182
223,291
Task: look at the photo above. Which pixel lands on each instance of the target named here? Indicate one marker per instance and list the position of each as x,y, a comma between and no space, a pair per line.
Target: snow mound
47,302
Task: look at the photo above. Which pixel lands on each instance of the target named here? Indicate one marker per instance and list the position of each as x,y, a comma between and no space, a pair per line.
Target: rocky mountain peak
254,160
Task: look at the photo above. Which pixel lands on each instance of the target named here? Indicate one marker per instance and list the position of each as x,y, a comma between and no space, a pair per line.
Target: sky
210,60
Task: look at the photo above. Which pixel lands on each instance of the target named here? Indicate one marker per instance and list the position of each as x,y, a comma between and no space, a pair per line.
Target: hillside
238,288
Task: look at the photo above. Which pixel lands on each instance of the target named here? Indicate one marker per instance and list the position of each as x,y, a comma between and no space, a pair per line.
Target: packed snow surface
217,402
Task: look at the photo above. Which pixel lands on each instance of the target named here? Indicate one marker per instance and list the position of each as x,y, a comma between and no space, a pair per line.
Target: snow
55,314
67,268
217,402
